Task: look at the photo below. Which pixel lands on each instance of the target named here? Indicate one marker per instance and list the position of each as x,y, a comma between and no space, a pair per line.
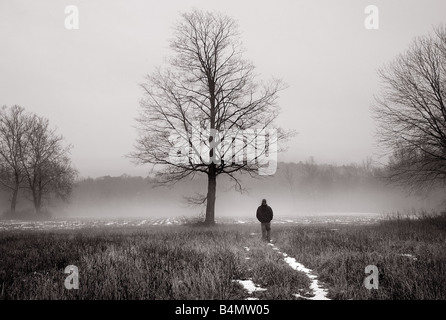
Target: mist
296,189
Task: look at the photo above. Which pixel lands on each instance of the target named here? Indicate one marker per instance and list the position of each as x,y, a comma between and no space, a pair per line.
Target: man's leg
263,231
268,231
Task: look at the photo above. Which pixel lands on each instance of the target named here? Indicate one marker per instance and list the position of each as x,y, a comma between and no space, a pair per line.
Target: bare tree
46,164
208,87
411,112
12,134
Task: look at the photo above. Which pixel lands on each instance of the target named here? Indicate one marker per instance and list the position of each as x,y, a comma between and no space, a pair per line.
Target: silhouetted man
265,215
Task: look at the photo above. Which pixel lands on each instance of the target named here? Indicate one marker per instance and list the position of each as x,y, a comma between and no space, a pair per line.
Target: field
307,259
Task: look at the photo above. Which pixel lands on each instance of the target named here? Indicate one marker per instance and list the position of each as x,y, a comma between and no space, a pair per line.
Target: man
265,215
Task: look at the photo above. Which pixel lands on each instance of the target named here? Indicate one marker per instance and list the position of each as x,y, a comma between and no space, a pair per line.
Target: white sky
86,81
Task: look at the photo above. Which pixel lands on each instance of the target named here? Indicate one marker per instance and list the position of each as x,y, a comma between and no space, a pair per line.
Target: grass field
189,262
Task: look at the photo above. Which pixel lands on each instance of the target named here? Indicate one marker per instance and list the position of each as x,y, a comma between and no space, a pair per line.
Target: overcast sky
86,81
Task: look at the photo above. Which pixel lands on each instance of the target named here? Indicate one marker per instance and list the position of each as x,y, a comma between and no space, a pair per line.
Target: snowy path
319,292
249,285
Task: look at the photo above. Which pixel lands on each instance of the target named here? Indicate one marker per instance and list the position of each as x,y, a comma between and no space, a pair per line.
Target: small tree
411,112
46,164
208,100
13,128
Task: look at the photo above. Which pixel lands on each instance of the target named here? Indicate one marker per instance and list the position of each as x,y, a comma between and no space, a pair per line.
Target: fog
296,189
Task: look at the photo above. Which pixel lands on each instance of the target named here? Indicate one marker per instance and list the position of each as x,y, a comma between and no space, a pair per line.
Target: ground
138,259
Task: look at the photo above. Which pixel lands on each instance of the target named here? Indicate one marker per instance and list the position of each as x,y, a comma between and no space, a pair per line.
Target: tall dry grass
186,262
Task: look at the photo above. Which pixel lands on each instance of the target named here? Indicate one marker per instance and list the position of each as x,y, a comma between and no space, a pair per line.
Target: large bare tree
205,113
411,112
12,134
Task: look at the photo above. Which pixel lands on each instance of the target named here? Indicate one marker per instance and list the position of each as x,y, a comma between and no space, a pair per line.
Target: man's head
263,202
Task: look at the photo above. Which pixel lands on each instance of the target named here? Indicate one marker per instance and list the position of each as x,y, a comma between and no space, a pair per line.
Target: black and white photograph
223,158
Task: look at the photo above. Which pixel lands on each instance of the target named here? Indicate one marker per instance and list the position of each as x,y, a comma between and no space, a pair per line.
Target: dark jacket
264,213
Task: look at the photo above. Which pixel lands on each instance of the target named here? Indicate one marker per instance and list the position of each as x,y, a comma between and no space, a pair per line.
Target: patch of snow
249,286
306,296
409,256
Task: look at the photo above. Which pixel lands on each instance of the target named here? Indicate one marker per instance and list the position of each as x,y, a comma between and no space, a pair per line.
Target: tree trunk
210,202
37,207
36,200
15,192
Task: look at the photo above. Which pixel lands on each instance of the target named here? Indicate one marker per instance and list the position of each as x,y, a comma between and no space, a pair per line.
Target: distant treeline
296,188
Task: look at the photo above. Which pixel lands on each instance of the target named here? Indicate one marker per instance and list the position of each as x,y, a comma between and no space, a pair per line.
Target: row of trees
33,157
303,180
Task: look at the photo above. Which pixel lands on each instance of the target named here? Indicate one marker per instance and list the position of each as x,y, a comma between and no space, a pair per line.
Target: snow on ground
318,292
340,220
409,256
73,223
76,223
250,286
